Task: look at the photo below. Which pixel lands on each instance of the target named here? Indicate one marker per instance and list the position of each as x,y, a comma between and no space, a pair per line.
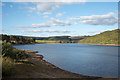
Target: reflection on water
92,60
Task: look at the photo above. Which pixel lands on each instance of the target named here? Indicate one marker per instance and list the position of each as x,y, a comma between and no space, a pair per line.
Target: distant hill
62,38
54,38
77,38
107,37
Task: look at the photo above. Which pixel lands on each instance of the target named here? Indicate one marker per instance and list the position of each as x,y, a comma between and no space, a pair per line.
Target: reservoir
90,60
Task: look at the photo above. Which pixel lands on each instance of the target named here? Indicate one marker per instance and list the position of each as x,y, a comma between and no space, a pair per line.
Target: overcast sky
58,19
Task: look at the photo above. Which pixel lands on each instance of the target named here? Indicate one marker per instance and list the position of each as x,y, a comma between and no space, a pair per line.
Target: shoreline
87,43
38,59
44,69
72,43
102,44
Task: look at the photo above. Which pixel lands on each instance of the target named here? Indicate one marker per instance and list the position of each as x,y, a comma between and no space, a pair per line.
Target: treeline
17,39
107,37
13,39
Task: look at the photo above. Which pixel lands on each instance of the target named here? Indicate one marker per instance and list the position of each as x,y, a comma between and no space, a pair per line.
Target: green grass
46,41
107,37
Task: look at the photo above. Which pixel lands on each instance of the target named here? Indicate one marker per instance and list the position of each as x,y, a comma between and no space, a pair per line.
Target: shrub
7,66
9,51
19,55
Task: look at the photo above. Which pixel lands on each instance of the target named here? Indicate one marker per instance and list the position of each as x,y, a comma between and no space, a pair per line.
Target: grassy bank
46,41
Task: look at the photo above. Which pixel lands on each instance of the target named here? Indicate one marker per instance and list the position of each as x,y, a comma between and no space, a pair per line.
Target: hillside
77,38
107,37
61,38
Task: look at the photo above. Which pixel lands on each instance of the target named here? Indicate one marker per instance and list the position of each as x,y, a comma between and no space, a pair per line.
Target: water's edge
39,56
47,61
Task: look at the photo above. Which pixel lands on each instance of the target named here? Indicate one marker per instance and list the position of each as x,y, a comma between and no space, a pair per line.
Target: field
46,41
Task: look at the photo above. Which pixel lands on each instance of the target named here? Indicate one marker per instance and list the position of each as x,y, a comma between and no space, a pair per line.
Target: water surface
91,60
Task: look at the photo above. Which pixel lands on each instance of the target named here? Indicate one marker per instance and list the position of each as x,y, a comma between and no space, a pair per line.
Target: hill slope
107,37
62,38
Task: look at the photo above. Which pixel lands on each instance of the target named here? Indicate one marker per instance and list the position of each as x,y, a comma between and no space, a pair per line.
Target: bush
9,51
19,55
7,66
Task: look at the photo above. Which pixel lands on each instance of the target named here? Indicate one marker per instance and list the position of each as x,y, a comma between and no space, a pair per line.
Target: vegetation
56,38
77,38
28,40
107,37
10,56
59,39
51,41
46,41
17,39
9,51
7,66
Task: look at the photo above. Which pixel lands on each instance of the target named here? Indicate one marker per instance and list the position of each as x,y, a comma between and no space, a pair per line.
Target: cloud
43,7
59,15
48,31
56,22
31,9
107,19
76,23
49,23
46,13
11,6
34,26
47,6
45,16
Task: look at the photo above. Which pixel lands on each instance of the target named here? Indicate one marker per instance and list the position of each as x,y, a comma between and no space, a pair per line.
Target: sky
58,19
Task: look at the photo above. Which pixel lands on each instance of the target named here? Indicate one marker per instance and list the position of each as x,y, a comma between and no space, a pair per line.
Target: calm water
92,60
